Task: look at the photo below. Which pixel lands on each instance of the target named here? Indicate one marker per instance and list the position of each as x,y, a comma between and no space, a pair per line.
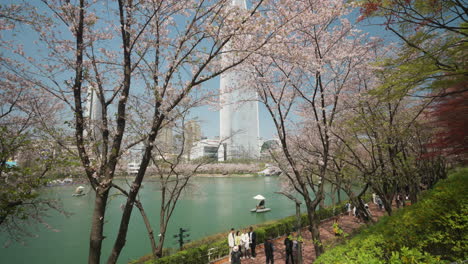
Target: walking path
347,223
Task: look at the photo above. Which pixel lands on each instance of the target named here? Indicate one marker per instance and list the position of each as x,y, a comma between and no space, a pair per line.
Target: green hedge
434,230
199,254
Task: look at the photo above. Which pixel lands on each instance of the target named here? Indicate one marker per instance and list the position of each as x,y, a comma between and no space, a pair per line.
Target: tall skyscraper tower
93,113
239,127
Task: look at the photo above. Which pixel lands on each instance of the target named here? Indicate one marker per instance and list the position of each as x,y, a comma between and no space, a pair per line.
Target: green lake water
210,206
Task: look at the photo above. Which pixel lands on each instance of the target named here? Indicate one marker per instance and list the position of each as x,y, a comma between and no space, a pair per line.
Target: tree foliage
430,63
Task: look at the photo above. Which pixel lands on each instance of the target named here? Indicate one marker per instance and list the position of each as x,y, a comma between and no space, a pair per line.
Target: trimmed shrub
261,235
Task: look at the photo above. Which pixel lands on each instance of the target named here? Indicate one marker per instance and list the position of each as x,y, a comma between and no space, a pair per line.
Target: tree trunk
314,225
299,235
148,228
338,192
162,227
357,201
97,227
322,204
314,230
387,202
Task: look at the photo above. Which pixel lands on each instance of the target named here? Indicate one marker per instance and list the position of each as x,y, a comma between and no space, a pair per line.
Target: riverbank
149,178
199,175
211,170
215,246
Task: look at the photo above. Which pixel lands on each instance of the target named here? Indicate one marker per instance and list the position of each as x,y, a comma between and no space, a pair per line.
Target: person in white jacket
231,242
245,245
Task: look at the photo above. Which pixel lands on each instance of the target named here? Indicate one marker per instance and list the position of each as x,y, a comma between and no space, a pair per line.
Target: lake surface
210,206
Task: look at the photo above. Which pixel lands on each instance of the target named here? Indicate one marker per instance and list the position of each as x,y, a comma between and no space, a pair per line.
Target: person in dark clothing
380,203
236,255
261,205
252,241
269,251
289,249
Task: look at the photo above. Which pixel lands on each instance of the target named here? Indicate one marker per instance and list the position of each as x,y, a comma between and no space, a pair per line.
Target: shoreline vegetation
196,252
213,170
150,178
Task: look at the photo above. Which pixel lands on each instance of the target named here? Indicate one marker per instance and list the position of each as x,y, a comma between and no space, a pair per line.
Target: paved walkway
347,223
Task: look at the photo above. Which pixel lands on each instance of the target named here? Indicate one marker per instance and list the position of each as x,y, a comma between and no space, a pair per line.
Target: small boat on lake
260,208
79,191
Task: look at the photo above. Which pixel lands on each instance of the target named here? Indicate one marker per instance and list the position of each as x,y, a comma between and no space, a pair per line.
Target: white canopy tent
259,197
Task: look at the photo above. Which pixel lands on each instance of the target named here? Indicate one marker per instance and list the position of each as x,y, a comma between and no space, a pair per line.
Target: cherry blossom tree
25,115
384,143
304,78
22,113
161,51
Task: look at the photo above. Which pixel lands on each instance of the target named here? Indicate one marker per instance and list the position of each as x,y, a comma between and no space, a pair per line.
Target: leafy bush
434,230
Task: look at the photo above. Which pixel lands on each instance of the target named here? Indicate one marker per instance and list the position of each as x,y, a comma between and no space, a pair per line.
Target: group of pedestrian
400,200
292,249
241,245
356,212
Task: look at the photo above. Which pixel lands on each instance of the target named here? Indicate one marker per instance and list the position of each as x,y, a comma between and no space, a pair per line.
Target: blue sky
208,117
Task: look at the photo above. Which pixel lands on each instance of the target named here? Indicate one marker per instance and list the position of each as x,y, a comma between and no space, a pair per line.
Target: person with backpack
236,255
288,244
269,249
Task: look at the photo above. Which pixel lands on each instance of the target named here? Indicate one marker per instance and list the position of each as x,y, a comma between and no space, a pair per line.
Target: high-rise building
192,134
93,114
165,139
239,126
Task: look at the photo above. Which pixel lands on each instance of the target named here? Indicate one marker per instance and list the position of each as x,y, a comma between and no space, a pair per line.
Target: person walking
295,249
269,249
366,206
357,214
348,208
252,242
236,255
231,242
288,244
380,203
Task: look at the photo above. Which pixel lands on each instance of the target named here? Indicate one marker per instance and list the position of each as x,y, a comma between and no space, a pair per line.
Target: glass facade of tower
239,126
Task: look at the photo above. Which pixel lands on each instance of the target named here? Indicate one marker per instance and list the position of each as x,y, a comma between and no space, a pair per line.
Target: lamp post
181,237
